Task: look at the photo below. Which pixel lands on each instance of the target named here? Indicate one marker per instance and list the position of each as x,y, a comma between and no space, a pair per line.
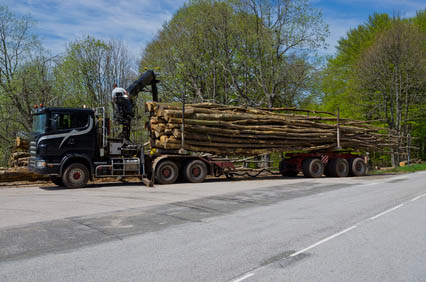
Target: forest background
257,53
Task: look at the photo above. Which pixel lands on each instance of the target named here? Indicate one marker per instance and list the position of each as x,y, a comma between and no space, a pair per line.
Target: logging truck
74,145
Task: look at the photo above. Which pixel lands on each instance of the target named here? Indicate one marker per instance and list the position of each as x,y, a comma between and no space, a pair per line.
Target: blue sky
341,15
137,21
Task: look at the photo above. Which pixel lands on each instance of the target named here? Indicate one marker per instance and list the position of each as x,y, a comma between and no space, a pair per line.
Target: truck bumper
41,166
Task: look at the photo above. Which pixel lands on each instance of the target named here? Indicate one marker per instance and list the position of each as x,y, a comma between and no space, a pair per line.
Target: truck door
74,133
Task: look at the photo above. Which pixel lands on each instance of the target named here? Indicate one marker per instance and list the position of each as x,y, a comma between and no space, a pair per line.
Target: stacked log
230,130
20,174
19,156
18,162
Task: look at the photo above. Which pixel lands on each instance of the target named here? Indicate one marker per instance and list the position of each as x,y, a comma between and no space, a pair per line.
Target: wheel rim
76,176
196,171
167,172
316,168
341,168
358,166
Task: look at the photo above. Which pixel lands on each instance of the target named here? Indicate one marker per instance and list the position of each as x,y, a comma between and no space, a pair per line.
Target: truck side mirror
54,122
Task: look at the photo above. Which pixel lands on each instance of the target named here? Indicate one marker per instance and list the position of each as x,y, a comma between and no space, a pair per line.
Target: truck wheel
195,171
337,168
312,168
285,170
56,180
76,175
167,172
357,167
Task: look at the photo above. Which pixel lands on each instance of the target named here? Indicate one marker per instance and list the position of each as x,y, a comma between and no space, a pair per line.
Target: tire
195,171
56,180
76,175
313,168
166,172
337,168
286,171
357,167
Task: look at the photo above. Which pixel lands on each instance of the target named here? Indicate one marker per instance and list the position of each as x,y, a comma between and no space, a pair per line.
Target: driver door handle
71,141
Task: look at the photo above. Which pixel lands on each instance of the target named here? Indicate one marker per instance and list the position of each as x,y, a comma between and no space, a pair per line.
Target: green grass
401,169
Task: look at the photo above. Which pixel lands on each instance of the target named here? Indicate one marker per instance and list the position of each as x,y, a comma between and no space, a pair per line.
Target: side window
64,121
79,120
71,121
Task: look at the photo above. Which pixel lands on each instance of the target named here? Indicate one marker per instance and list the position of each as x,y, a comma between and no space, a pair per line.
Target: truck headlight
40,164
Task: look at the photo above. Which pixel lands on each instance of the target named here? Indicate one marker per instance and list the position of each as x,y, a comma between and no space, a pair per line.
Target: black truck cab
59,135
71,145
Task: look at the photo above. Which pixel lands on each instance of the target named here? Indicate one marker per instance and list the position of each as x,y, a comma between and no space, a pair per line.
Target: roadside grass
401,169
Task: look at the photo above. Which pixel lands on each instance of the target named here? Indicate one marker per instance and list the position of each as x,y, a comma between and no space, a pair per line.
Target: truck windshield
39,123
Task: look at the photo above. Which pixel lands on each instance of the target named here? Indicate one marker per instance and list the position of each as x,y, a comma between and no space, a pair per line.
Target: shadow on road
92,186
179,182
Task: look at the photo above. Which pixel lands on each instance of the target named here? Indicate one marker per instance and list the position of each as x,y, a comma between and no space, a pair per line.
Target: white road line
244,277
385,212
250,274
323,241
418,197
387,180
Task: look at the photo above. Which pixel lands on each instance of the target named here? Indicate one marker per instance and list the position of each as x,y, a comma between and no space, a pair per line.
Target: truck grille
33,153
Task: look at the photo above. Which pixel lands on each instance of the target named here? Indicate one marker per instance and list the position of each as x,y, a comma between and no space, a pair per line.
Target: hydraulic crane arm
147,78
123,109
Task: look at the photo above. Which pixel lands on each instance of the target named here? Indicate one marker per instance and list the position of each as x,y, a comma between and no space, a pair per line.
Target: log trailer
73,146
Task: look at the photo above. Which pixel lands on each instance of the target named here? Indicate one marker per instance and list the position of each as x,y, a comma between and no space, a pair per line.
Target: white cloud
137,21
133,21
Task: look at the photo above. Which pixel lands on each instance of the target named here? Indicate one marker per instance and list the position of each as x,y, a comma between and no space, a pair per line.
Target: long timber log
236,130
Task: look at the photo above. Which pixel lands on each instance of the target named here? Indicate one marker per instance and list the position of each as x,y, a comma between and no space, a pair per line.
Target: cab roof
62,109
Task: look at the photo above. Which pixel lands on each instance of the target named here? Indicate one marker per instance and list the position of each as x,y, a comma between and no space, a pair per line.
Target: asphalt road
296,229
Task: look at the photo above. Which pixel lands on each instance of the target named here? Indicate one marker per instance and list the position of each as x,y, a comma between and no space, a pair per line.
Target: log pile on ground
19,156
20,174
230,130
18,162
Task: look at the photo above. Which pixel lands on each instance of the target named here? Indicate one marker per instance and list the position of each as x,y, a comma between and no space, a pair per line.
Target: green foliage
232,52
30,75
379,73
89,68
401,169
20,68
339,83
420,20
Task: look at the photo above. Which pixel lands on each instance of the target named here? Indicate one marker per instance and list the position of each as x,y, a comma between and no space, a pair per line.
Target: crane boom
147,78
